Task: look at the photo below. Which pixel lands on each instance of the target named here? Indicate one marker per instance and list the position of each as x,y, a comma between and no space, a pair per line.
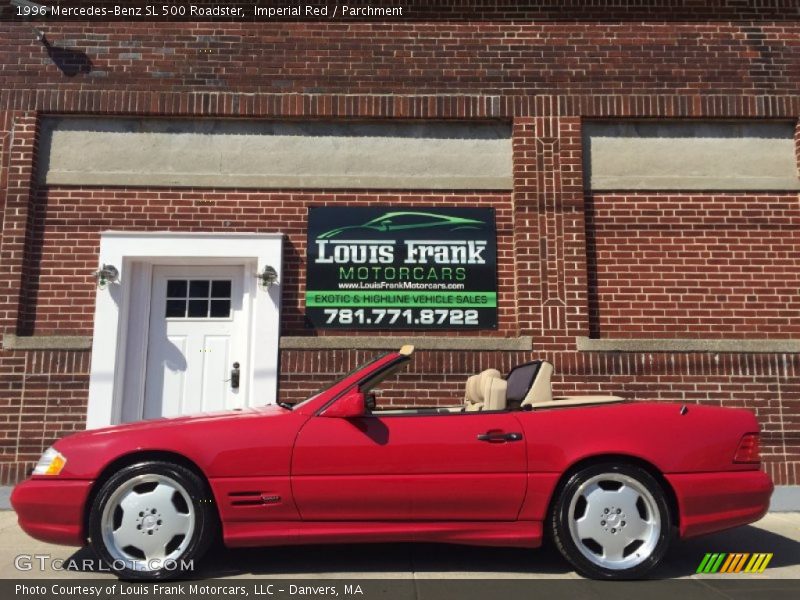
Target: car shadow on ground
398,560
384,559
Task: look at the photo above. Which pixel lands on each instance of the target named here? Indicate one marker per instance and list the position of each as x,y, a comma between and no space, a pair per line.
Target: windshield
337,382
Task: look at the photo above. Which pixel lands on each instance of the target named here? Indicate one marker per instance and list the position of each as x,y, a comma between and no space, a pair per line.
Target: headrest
472,393
489,374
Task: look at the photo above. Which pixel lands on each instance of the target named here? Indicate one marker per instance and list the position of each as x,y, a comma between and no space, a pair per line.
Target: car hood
218,442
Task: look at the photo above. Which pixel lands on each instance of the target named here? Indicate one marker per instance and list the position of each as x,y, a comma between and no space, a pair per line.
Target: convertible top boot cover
541,393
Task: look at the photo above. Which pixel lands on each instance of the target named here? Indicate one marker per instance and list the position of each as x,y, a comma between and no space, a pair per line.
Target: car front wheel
612,521
152,520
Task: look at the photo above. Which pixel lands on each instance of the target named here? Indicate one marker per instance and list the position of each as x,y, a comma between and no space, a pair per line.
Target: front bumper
52,510
710,502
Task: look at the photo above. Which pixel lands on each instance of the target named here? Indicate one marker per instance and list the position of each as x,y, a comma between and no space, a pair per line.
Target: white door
197,346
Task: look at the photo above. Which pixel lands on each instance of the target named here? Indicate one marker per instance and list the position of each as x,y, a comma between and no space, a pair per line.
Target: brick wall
705,266
567,263
42,398
543,56
68,222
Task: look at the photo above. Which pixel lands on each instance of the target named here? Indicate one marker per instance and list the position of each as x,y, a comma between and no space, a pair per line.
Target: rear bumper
52,510
710,502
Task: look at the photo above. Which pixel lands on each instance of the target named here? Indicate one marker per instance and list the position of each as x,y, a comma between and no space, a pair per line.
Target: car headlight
51,463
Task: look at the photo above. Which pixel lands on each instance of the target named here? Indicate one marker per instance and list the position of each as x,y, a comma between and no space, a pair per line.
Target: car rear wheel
152,520
612,521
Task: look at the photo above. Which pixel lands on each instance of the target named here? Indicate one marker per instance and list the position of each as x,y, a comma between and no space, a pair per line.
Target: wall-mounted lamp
267,277
105,275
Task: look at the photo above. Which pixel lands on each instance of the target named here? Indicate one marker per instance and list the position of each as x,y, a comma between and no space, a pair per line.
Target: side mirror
348,406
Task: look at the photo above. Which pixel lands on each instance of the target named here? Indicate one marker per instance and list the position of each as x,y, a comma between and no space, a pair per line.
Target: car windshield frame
341,379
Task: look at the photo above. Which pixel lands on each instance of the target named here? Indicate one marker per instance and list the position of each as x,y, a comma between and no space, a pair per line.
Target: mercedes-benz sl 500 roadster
612,482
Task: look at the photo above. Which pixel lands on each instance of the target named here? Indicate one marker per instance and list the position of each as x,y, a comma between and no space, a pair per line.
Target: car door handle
499,437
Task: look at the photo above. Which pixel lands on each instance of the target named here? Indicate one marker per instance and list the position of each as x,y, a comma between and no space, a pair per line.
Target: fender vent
252,498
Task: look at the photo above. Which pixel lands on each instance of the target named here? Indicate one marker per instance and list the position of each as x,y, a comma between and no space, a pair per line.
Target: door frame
119,343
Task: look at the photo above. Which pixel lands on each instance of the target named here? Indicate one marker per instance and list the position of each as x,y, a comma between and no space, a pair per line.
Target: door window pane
176,308
198,308
176,288
198,288
221,288
220,308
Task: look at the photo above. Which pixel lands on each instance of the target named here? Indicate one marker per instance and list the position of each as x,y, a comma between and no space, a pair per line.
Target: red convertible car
612,482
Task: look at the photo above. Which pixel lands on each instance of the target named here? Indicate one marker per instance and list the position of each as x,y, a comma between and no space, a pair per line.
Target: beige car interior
485,391
541,393
489,390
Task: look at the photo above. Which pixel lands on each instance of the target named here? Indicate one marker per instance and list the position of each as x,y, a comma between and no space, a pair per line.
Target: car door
441,467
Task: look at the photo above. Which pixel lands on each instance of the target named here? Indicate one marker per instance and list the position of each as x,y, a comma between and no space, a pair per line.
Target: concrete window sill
586,344
338,342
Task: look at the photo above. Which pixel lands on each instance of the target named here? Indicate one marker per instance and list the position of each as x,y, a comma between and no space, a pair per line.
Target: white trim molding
117,348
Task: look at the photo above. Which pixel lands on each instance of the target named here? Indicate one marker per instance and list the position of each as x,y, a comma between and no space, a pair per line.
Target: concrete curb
785,498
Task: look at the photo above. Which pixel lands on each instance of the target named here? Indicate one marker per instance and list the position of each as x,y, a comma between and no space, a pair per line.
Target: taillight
749,450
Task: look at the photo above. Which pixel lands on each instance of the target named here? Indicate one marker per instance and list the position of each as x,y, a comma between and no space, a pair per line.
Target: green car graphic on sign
395,221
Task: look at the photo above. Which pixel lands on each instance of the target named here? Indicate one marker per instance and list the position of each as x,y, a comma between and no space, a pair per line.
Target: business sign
381,267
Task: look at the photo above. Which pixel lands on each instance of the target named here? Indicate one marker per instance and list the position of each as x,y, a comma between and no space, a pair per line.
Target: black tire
203,531
586,555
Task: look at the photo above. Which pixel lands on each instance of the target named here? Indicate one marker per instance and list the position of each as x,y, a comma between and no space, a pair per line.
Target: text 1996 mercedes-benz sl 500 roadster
611,481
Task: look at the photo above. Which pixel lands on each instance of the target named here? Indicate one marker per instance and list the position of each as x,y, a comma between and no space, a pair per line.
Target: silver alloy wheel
614,521
147,521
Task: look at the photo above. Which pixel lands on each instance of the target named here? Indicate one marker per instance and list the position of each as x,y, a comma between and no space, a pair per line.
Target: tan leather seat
473,399
494,391
485,391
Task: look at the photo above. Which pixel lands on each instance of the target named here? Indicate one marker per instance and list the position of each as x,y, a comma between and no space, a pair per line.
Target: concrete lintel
302,181
350,342
742,155
46,342
700,184
586,344
257,153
